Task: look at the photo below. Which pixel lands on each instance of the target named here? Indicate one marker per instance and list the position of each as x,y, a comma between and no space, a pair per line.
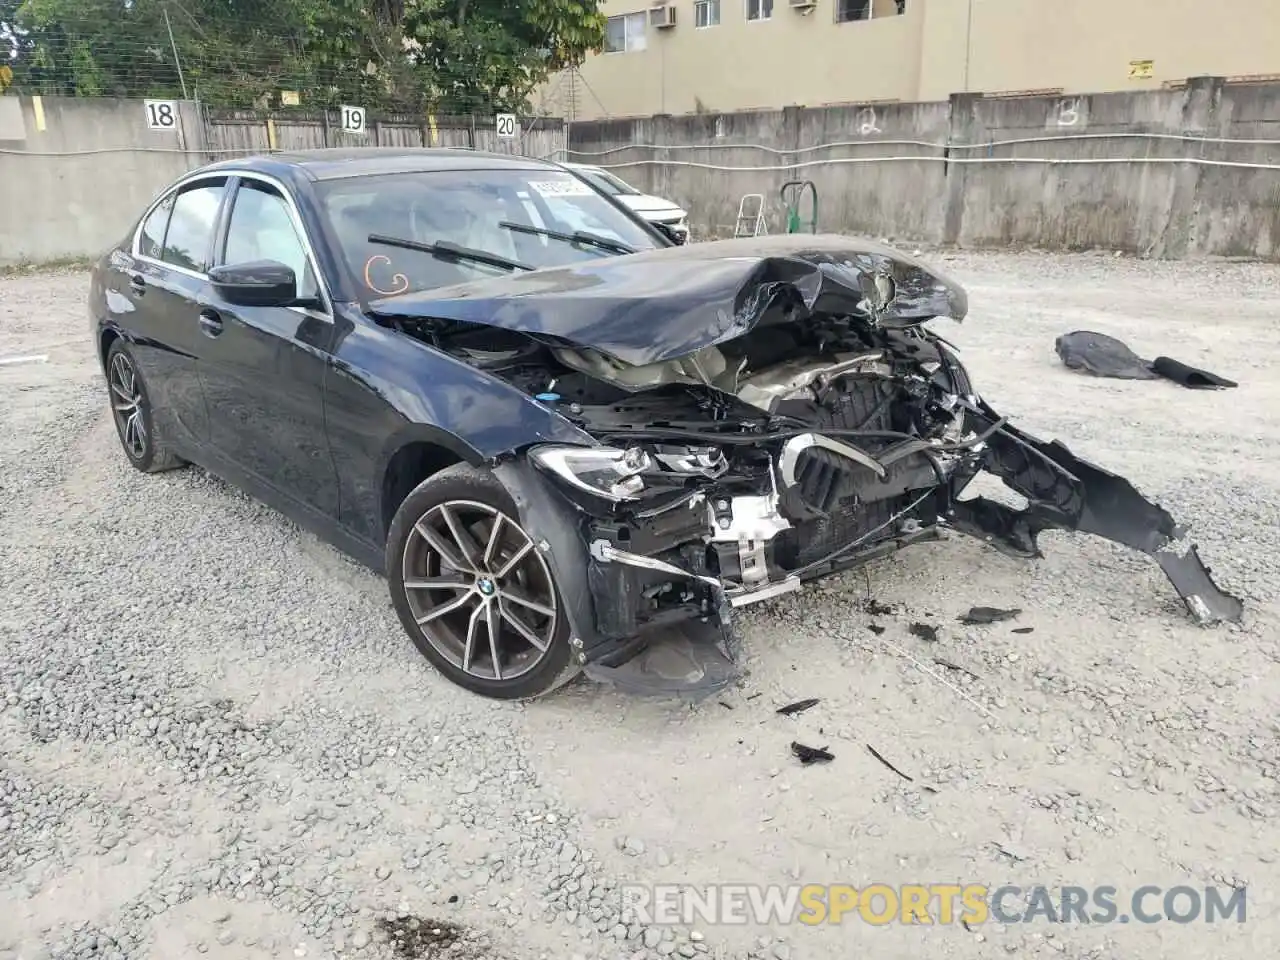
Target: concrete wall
1145,172
802,57
75,173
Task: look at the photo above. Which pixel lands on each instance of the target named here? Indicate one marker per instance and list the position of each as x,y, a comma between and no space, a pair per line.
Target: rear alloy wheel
131,411
474,591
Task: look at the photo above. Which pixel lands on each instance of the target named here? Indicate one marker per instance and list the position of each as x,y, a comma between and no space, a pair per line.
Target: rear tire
460,565
130,401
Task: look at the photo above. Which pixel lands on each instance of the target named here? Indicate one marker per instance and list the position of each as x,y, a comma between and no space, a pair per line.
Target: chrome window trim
294,216
135,248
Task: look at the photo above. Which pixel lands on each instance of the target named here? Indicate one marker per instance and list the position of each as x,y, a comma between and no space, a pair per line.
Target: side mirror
675,236
261,283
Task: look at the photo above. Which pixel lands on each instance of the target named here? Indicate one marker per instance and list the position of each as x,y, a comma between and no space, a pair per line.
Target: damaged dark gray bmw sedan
571,445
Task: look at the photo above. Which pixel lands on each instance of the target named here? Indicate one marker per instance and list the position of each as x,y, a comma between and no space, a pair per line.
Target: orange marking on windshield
402,282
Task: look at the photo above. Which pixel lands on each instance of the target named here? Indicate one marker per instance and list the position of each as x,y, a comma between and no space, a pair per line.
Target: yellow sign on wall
1142,69
290,98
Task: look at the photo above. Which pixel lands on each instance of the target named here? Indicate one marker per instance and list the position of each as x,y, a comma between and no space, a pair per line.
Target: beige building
688,56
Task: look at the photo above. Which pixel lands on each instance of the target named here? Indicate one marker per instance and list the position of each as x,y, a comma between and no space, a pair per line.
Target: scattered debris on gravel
987,615
417,939
215,741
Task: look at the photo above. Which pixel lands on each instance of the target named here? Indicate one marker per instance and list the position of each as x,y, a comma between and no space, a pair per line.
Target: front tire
131,411
474,591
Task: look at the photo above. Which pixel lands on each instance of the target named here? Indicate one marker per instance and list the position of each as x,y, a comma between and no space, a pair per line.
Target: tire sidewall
147,460
470,483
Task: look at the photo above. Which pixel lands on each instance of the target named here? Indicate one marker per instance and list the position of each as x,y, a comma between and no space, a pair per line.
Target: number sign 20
505,126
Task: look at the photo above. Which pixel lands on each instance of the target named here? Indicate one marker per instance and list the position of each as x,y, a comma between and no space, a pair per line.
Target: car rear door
263,368
155,303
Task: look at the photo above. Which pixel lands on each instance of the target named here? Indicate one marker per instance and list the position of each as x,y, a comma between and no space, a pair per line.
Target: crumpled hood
663,304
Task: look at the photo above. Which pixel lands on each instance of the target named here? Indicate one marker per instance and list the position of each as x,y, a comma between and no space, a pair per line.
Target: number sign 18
161,114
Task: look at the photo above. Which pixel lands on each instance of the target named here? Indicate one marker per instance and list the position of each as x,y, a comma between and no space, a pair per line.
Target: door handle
138,285
210,323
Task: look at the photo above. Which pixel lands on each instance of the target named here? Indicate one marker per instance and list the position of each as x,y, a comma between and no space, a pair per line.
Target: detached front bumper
651,615
1065,492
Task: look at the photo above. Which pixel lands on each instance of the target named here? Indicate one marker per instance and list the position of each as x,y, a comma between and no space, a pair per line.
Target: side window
151,240
190,234
261,229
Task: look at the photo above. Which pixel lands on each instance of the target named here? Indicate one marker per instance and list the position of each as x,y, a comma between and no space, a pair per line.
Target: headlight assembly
604,471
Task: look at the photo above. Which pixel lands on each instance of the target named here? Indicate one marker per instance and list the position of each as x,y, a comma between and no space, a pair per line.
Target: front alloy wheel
473,590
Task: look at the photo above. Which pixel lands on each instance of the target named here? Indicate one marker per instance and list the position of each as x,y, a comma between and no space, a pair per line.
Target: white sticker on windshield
568,187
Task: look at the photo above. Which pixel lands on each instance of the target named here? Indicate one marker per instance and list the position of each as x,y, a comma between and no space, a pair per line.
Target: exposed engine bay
820,434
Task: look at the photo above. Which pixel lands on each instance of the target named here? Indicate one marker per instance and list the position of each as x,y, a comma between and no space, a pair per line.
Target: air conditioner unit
803,4
662,17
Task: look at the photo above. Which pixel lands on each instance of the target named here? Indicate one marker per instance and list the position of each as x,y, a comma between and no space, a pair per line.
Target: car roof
339,162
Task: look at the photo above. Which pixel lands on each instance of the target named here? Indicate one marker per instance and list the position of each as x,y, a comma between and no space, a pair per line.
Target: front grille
826,483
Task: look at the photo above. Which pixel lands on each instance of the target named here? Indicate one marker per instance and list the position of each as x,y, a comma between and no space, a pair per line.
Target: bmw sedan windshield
402,233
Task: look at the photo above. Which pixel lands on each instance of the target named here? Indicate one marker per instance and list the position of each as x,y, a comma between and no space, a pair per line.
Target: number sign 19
506,127
161,114
353,120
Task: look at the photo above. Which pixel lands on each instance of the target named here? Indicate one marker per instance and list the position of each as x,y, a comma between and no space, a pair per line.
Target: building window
624,34
759,9
706,13
849,10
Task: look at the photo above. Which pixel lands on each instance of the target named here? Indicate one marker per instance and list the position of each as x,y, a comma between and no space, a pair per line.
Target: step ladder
750,216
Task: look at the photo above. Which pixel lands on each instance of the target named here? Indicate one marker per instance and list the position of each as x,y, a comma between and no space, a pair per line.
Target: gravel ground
214,739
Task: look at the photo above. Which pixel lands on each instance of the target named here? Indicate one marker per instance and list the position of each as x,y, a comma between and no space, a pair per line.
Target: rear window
467,208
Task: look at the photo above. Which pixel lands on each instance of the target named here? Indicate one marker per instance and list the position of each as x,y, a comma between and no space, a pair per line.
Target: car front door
156,303
263,368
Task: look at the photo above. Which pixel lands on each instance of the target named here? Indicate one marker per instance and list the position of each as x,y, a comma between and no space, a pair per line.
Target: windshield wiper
449,250
578,236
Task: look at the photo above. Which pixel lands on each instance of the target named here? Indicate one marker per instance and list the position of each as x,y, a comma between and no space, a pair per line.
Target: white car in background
654,209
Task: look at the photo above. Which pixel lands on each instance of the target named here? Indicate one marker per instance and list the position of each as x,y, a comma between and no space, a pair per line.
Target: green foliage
391,56
491,54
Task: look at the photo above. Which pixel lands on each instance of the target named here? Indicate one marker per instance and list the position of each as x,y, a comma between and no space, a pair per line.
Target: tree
489,55
452,56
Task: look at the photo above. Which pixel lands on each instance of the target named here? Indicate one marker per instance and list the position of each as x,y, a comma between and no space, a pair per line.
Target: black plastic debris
924,631
811,755
415,937
948,665
1104,356
985,615
878,609
875,628
1191,377
1024,629
800,706
876,753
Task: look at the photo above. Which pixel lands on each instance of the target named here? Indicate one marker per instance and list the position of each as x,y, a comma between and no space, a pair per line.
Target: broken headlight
604,471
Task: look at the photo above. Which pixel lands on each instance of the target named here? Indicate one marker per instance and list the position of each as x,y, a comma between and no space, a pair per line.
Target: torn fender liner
692,660
1068,493
1104,356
